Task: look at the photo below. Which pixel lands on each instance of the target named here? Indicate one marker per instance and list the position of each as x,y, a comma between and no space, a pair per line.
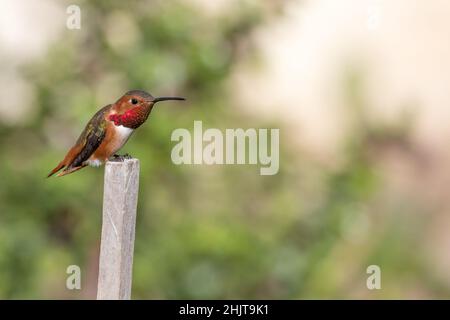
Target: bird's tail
56,169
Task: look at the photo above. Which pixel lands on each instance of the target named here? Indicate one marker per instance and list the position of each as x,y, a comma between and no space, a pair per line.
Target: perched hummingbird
108,130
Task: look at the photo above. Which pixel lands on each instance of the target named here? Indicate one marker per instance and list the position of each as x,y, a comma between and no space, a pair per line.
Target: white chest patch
124,132
122,136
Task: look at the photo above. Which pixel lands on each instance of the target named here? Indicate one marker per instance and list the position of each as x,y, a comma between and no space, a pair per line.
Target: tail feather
56,169
66,162
70,170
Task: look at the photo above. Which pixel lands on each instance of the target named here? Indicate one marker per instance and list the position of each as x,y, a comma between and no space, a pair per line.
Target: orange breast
115,138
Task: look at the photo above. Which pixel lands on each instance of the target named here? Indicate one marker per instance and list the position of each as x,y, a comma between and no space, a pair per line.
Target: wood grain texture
118,229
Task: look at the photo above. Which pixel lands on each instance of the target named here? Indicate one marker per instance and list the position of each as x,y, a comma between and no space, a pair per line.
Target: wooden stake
118,229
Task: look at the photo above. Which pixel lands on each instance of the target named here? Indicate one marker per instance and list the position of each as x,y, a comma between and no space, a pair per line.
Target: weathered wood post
118,229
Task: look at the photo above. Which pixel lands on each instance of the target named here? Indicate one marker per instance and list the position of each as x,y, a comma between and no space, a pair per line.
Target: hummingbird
108,130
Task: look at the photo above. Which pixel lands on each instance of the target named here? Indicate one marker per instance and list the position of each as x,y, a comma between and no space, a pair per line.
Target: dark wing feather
91,137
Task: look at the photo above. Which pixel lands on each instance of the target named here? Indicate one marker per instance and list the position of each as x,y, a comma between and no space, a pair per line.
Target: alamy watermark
74,19
234,146
73,281
373,16
374,280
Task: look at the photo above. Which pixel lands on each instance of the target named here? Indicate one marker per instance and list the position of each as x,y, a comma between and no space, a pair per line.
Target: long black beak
155,100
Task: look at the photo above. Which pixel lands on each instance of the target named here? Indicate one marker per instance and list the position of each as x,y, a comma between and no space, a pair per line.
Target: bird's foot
120,158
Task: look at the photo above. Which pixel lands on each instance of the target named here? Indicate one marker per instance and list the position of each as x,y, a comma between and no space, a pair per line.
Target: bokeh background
358,88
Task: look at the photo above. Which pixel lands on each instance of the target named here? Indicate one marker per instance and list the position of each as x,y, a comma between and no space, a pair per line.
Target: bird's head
134,107
141,99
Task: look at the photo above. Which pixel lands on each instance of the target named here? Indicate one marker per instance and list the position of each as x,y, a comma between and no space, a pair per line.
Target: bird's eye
134,101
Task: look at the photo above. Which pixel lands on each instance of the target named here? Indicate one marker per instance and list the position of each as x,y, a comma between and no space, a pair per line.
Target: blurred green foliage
202,232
